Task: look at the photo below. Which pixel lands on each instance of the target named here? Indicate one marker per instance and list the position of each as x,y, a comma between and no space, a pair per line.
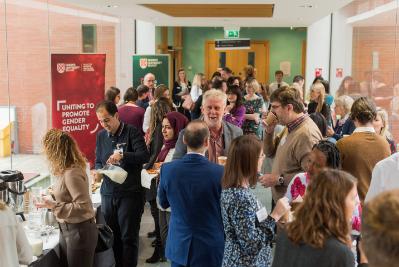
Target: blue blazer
191,186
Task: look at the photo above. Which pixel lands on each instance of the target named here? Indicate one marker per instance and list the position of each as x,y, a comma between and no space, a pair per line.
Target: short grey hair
346,102
214,93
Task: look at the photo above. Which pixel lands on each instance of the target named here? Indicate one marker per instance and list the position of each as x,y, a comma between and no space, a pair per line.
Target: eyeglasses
106,120
275,106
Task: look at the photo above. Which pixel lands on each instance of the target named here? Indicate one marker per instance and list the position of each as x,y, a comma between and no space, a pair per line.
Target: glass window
222,59
251,58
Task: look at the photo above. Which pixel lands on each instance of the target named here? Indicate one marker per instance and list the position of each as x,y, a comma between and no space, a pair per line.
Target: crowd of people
330,162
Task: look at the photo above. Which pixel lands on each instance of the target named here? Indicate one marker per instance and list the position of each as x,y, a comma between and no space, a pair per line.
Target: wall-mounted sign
339,72
318,72
155,64
231,34
232,44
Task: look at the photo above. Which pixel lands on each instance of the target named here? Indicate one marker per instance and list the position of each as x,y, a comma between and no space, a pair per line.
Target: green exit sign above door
231,33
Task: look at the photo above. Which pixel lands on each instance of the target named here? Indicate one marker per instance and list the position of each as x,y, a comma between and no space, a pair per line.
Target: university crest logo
61,67
143,63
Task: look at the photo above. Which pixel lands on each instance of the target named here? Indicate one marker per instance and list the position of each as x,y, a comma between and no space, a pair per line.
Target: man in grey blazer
221,132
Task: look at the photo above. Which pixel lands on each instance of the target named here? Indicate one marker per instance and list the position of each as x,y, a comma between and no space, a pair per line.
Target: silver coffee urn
14,181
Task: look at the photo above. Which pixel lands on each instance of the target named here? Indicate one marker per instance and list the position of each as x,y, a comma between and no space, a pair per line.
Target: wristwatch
280,180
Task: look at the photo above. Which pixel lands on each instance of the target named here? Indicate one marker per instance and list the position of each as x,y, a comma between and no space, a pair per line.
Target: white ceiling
287,13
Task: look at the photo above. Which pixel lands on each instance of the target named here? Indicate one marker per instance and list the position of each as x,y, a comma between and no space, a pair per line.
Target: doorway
236,60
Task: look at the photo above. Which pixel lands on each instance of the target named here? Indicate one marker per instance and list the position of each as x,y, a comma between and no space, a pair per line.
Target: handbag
105,238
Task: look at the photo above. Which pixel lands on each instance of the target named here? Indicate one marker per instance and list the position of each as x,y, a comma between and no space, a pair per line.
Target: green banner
155,64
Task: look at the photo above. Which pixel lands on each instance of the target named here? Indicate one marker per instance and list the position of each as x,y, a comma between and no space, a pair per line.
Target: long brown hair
322,213
160,90
158,111
62,151
242,162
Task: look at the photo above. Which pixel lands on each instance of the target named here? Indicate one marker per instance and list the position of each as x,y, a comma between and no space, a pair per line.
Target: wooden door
236,60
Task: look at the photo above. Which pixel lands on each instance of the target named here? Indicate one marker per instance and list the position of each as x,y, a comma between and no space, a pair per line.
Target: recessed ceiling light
306,6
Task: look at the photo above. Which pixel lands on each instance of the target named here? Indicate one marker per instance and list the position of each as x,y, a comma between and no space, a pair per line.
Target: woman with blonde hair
254,107
181,86
318,103
70,201
320,233
15,248
198,84
381,127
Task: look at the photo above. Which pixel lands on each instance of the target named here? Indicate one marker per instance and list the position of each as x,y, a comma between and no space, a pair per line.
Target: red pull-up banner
77,86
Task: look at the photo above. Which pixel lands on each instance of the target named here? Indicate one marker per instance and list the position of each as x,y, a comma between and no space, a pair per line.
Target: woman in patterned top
248,229
324,155
253,106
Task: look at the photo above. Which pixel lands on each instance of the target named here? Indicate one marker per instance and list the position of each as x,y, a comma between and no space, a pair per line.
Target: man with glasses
122,204
291,148
221,132
149,81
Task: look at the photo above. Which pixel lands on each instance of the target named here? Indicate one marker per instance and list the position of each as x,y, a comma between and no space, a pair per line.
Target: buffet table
51,250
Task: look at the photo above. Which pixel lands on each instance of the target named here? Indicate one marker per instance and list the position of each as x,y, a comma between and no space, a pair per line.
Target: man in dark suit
191,187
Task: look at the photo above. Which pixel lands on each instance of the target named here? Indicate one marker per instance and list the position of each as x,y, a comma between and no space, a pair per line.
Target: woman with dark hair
234,80
113,94
196,111
130,113
324,155
216,75
155,143
71,202
172,124
235,110
220,85
363,148
160,91
320,232
248,229
344,87
320,121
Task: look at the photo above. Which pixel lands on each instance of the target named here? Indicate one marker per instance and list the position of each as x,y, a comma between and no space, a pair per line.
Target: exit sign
232,34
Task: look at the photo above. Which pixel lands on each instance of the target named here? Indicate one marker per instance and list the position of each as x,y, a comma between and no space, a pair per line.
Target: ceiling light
113,6
306,6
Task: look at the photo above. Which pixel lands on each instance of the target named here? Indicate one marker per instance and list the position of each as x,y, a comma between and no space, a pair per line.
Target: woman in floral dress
324,155
248,228
253,105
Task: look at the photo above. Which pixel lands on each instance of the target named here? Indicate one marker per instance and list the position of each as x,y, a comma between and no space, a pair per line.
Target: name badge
282,141
261,214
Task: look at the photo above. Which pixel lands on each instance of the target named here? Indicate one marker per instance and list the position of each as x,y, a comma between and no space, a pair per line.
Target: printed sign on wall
155,64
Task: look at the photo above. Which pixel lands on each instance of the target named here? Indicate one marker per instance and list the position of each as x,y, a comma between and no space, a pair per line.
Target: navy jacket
191,186
135,154
345,129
